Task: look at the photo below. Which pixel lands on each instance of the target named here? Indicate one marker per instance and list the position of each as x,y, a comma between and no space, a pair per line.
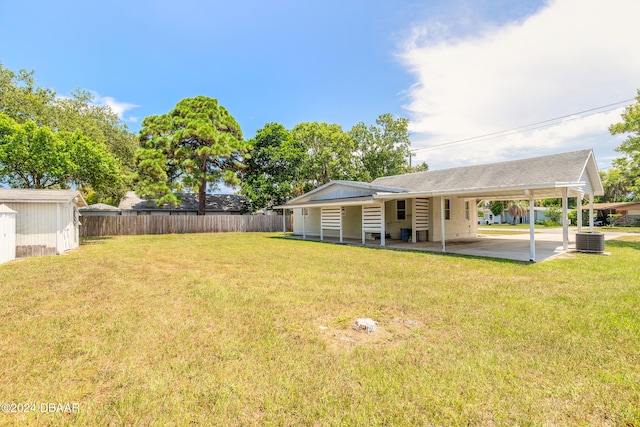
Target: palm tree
516,208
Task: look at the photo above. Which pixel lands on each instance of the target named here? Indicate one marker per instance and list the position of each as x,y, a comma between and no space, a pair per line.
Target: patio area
515,247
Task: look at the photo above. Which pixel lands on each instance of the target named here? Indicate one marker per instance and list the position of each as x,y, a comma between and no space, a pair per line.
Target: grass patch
247,329
619,229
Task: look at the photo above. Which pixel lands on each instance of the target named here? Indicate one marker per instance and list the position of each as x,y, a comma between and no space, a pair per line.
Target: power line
513,130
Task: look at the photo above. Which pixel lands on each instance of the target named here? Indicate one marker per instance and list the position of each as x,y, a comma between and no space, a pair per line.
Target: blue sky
456,68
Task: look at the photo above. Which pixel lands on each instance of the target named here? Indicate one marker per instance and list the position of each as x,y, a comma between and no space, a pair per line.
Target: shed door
7,237
67,232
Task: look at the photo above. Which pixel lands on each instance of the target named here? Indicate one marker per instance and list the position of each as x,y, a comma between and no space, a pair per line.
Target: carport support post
591,213
565,225
579,212
382,226
363,232
532,227
442,221
304,229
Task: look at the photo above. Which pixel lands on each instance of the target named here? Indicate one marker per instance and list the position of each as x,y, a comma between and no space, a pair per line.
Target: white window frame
467,214
447,209
403,210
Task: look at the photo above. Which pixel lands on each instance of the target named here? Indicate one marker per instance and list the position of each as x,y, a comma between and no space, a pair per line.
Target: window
466,210
447,209
401,209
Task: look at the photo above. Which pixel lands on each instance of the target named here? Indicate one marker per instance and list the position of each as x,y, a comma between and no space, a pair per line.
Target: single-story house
630,211
440,205
216,204
99,209
47,221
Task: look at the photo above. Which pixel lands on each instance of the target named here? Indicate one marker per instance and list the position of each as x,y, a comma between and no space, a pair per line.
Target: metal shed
47,221
7,234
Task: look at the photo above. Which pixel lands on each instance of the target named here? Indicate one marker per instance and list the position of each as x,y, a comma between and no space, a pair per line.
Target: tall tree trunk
202,190
202,197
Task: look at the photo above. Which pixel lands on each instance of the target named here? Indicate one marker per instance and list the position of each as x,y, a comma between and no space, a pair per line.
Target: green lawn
253,329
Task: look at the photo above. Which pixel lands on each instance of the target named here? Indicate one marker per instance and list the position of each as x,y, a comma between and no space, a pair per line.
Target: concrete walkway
508,246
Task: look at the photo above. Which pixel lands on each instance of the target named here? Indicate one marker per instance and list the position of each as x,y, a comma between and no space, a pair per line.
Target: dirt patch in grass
387,335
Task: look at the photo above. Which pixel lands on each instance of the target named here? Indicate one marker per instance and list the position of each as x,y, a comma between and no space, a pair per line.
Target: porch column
565,226
304,230
284,222
341,222
363,224
382,226
579,212
414,233
442,221
532,227
591,213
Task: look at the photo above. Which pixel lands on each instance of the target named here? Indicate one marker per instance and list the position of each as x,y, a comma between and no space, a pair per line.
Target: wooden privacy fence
176,224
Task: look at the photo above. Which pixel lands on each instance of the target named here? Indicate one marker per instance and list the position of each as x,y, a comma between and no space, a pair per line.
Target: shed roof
28,195
6,209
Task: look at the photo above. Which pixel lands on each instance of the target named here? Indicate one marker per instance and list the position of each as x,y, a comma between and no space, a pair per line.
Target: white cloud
571,56
118,107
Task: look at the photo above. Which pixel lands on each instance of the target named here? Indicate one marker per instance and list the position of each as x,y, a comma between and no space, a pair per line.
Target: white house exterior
7,234
441,205
47,221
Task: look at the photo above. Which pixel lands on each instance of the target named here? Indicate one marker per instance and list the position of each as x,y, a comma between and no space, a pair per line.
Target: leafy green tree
617,185
629,164
496,208
329,153
273,173
383,148
24,101
554,214
195,146
422,167
33,156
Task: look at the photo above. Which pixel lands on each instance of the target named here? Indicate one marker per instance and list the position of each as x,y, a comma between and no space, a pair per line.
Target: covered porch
437,210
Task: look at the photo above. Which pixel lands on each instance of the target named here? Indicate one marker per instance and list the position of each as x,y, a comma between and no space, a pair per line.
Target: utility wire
512,130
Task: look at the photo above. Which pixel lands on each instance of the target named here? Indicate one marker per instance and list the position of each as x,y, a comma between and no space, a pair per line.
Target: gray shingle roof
100,207
556,168
189,202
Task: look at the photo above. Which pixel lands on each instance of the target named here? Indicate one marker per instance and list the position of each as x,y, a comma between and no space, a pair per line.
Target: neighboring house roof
544,177
616,205
100,207
26,195
189,202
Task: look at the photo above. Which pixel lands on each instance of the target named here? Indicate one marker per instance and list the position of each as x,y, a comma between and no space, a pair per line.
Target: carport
433,197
